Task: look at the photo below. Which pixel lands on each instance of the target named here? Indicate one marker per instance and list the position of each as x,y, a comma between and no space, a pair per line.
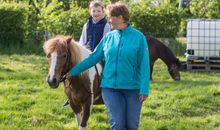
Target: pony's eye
48,55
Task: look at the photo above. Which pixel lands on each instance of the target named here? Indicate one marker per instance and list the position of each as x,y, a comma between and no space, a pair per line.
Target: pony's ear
69,39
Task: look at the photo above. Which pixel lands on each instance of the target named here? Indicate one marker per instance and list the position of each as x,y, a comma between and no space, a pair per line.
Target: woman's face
115,21
97,13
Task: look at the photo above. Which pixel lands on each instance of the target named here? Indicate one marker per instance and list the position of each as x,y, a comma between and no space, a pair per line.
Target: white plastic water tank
203,38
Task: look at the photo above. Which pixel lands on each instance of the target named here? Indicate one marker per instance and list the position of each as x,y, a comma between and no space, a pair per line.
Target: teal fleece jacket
126,56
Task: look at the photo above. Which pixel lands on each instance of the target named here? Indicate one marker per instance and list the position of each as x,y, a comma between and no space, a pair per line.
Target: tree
205,8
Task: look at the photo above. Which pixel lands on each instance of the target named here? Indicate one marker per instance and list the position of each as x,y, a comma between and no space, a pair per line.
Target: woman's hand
143,98
68,75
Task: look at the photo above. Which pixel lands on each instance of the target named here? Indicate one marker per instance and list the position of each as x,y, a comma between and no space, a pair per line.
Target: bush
13,23
205,9
55,20
77,19
71,22
161,21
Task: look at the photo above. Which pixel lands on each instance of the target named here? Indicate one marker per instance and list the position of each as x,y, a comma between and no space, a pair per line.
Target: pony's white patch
92,74
84,51
92,71
82,128
78,118
53,64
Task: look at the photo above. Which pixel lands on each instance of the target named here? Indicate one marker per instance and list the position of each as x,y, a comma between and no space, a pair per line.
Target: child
96,26
94,29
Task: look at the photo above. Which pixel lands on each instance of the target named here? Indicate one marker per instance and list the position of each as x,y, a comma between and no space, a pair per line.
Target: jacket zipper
117,58
121,49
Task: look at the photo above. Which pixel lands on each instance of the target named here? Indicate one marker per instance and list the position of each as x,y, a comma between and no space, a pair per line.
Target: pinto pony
83,90
158,50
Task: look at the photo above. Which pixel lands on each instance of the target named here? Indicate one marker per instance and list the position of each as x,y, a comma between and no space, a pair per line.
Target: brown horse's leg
151,70
86,113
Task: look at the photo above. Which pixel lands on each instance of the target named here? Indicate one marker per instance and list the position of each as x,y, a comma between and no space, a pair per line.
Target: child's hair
96,3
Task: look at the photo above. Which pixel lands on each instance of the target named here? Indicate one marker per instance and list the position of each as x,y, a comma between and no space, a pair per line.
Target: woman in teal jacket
126,76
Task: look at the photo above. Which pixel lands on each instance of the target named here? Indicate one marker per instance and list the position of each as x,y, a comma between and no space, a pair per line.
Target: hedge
13,23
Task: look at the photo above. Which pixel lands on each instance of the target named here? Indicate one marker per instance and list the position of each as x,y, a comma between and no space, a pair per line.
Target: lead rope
92,93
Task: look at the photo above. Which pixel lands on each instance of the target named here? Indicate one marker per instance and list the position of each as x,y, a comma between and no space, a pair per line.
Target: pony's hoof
82,128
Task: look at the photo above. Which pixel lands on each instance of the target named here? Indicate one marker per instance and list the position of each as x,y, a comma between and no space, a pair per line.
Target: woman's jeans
124,108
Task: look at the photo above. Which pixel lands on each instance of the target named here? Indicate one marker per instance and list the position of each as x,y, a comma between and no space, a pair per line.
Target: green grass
26,101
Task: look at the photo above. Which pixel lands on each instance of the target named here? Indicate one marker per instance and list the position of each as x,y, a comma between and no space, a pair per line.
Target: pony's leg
86,114
81,128
78,112
77,109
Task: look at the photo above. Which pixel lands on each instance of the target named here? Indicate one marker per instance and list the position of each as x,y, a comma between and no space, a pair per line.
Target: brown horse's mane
64,44
162,51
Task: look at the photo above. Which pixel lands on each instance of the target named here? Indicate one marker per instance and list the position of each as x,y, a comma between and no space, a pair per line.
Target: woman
125,80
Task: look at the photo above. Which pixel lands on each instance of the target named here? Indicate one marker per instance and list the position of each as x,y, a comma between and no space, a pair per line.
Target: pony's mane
63,43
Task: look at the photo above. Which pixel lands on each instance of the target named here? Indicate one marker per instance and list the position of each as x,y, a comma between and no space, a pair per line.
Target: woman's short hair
96,3
117,9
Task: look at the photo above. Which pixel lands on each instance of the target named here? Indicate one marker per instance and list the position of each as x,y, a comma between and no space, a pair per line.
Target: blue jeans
123,107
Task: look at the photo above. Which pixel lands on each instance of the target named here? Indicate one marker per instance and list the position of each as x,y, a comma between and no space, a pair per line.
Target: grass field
27,103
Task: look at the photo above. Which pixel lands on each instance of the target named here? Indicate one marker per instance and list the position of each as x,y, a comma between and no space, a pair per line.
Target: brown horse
82,90
158,50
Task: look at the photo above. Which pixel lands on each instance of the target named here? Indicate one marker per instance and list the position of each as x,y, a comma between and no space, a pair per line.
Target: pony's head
59,52
174,69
